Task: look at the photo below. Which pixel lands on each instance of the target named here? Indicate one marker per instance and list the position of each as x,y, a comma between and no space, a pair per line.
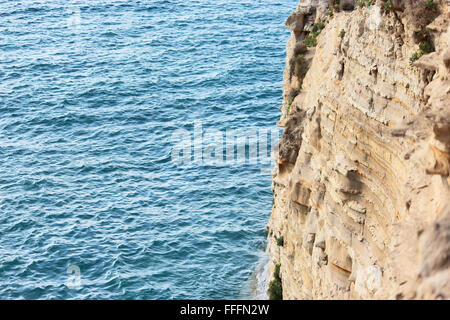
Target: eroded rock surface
361,190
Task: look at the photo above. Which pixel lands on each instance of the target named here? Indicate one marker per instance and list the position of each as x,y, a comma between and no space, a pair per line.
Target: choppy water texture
88,104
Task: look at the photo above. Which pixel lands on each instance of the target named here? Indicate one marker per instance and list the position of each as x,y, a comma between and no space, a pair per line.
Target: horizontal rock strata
361,187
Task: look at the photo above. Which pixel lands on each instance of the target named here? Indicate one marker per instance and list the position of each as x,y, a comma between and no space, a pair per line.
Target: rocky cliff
361,188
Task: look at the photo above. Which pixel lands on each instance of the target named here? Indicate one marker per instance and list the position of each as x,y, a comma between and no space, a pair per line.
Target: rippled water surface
90,95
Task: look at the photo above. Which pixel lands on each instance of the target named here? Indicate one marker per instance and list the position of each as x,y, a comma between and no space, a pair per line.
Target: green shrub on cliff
276,272
425,47
311,39
335,4
429,4
388,5
317,28
366,3
413,58
280,241
275,290
288,110
290,100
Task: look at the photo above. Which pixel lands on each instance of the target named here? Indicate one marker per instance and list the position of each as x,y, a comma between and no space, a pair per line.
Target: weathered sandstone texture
361,188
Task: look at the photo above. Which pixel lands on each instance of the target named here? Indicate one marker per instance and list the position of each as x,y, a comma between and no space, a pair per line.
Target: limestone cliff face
361,189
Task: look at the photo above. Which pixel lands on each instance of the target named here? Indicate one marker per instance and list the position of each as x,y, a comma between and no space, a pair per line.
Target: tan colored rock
296,21
361,191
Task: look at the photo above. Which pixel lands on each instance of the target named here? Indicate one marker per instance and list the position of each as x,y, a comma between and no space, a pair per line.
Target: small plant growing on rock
288,109
317,28
276,272
388,5
280,241
275,290
335,4
311,39
289,101
365,3
342,33
425,47
429,4
413,58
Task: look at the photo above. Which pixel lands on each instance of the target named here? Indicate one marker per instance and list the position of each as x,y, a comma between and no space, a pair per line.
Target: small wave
262,275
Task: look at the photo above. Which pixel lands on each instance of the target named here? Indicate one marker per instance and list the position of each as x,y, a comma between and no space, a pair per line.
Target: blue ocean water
91,204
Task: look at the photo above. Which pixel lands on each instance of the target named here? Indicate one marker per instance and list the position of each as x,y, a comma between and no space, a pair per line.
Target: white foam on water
262,275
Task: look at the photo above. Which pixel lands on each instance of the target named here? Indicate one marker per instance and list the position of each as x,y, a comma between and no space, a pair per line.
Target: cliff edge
361,188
